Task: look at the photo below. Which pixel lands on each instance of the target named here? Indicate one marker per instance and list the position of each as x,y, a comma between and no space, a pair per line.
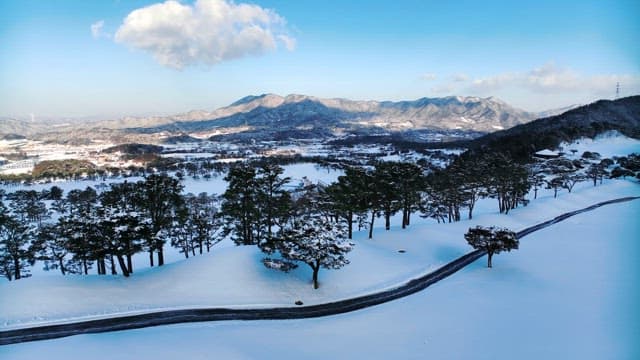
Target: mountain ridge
590,120
295,110
296,113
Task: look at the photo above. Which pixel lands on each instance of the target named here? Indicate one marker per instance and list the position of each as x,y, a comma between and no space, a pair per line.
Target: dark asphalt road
300,312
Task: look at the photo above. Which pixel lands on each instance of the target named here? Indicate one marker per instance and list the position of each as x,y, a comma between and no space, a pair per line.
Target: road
412,286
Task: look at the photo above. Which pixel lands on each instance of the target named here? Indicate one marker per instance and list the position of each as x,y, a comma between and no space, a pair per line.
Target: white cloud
493,83
541,88
460,77
428,77
552,79
96,29
205,33
288,41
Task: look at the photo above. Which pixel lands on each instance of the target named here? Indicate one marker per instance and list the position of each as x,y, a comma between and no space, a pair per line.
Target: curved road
219,314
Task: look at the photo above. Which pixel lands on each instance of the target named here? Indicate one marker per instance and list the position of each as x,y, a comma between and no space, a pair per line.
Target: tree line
292,223
87,229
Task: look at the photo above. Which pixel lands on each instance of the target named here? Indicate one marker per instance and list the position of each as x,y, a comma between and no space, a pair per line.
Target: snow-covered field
234,276
570,292
608,144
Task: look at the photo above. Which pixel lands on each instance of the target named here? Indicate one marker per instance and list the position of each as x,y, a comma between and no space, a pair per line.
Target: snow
547,152
608,145
204,280
569,292
189,156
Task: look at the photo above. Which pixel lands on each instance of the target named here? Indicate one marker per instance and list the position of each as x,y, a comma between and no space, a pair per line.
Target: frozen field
570,292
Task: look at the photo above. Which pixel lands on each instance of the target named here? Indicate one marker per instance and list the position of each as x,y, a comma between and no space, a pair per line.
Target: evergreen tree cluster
104,230
291,223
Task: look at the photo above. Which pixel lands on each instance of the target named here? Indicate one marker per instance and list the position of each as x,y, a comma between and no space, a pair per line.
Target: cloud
96,29
289,42
460,77
205,33
493,83
542,87
428,77
552,79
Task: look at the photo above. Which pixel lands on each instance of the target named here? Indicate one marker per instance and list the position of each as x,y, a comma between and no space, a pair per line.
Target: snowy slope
570,292
608,145
235,277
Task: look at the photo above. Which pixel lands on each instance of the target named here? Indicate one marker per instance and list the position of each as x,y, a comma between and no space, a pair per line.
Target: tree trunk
61,264
151,258
86,268
387,220
16,265
123,266
373,218
489,256
160,256
404,218
129,264
315,268
113,266
350,225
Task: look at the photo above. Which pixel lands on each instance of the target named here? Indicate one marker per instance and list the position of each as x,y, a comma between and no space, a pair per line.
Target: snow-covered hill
569,292
235,277
454,112
306,113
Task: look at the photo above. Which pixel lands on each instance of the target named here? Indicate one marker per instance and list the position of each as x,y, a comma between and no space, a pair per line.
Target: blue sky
94,59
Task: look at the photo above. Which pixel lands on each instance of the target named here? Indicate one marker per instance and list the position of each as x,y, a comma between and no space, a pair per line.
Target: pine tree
80,224
385,184
28,207
314,241
348,196
492,240
160,197
554,183
16,250
508,183
206,220
239,205
410,182
121,224
52,246
594,172
274,201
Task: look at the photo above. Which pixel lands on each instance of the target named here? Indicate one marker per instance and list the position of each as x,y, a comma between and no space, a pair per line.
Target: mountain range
271,115
621,115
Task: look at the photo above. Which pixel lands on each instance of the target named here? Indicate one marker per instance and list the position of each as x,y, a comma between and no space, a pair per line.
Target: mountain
521,141
558,111
301,112
273,116
10,126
